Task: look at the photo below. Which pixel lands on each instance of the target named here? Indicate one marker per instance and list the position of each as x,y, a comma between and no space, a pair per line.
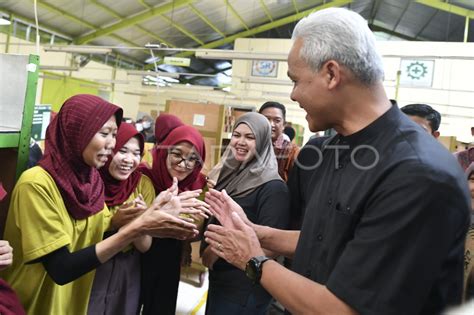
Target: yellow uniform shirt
145,188
38,224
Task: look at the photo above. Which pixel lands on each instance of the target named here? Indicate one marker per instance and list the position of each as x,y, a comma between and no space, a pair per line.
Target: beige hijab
240,179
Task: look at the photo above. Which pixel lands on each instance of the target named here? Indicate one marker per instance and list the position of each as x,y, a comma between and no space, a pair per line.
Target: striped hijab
79,119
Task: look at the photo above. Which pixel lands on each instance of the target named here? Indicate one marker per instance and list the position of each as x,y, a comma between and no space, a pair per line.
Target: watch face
251,270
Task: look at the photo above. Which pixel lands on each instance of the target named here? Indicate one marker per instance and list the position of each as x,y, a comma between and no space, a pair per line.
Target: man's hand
222,206
6,254
209,258
237,245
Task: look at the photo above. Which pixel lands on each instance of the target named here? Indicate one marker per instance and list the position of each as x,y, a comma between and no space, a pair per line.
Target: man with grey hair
386,208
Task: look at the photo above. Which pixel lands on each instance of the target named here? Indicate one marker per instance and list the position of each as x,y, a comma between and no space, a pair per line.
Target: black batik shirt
385,220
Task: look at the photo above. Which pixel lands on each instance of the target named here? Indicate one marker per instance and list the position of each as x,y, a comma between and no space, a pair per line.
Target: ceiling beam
266,27
66,37
205,20
234,12
182,29
426,24
295,6
265,9
401,16
131,21
120,18
71,17
451,8
67,15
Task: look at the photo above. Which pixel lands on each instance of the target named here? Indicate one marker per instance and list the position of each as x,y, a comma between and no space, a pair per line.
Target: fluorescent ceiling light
266,81
58,68
159,73
79,49
134,93
113,81
197,74
152,59
4,21
225,54
236,54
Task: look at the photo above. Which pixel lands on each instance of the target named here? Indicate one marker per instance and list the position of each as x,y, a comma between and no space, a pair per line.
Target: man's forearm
300,295
281,242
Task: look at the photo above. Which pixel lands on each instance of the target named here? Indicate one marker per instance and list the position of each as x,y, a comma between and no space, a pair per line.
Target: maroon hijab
163,126
79,119
9,302
118,191
159,172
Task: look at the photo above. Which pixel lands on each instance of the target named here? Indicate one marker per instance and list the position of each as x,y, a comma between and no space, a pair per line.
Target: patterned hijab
240,179
159,172
118,191
79,119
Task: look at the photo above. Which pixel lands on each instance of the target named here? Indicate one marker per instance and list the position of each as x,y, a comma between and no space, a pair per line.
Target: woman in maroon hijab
57,214
116,288
181,155
164,124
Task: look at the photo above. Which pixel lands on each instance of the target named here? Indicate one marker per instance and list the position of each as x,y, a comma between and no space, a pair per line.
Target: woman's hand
157,222
210,183
222,206
128,212
209,258
6,254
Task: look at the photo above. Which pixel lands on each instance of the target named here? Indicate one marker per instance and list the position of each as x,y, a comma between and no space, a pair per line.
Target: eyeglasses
189,163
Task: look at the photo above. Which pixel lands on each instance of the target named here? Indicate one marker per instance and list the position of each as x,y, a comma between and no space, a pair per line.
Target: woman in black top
250,176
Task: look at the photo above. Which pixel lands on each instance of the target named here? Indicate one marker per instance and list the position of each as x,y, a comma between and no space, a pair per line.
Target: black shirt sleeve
63,266
374,275
273,205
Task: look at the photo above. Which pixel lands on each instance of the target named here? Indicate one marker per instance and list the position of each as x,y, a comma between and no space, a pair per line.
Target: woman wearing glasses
249,175
58,215
181,154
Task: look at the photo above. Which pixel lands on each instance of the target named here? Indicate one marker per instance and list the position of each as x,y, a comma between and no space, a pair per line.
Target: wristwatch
253,269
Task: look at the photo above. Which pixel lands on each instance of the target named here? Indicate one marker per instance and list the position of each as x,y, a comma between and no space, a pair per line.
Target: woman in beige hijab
249,174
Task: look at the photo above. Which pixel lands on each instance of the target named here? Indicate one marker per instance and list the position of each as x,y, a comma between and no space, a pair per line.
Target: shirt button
340,166
330,201
319,237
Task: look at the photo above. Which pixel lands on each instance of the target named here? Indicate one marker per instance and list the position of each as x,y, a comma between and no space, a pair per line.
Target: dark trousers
161,267
218,304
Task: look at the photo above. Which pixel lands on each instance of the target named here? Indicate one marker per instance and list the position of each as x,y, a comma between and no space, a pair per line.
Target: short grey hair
341,35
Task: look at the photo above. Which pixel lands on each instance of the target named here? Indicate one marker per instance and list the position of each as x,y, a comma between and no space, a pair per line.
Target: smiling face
310,90
243,143
181,160
126,160
101,145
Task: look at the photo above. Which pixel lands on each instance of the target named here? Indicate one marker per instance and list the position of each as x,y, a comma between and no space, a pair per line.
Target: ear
333,73
436,134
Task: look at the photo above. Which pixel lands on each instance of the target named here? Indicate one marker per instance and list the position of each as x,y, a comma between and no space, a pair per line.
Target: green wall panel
57,89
